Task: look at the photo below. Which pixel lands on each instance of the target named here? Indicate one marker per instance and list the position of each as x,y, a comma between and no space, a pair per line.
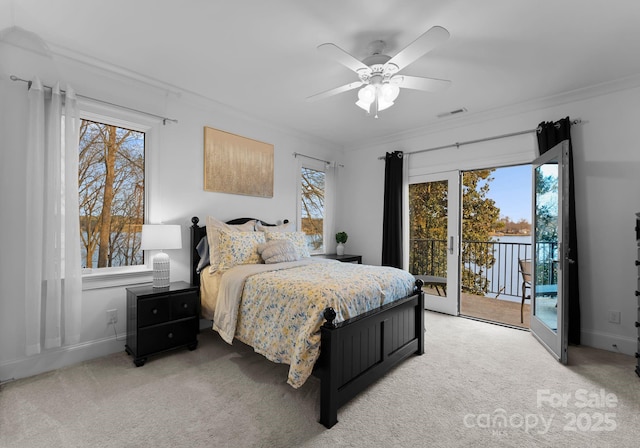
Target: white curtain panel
54,284
330,206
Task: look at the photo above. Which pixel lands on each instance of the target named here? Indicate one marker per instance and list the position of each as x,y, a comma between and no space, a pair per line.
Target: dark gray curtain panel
392,218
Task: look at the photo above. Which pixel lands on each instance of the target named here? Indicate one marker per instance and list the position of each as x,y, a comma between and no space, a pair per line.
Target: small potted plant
341,239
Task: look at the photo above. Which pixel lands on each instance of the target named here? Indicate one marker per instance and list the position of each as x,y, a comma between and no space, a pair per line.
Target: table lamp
161,237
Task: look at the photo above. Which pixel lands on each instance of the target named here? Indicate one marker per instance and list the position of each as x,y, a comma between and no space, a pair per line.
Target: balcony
490,278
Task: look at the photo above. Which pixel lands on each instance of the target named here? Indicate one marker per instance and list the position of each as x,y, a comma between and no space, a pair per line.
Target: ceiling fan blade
338,54
419,47
337,90
419,83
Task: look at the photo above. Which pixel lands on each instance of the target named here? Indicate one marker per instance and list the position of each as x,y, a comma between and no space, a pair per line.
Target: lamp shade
161,237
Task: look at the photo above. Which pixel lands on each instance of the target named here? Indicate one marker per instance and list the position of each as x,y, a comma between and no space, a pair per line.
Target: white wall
175,191
607,170
606,165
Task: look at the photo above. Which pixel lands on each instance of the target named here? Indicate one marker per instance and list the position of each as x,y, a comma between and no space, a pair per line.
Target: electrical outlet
614,317
112,317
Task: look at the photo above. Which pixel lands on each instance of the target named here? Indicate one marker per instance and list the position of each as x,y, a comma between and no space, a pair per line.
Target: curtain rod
480,140
164,119
326,162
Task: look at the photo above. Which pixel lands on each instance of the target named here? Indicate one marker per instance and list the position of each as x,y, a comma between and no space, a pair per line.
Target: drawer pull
637,262
637,293
155,311
170,335
185,306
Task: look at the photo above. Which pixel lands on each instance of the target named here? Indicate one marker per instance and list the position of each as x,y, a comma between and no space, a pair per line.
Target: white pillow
213,225
299,240
278,251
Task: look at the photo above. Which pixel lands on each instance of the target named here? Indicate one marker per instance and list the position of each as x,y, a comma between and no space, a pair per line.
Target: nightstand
161,319
344,258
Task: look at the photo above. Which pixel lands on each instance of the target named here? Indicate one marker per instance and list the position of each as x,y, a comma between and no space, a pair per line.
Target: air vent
453,112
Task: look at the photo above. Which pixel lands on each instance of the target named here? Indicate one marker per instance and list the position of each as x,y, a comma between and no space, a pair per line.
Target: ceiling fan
378,73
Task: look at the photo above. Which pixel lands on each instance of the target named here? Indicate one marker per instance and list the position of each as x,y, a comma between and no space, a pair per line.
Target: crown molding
181,93
605,88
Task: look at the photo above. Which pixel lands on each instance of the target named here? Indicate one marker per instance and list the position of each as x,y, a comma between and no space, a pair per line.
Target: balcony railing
488,267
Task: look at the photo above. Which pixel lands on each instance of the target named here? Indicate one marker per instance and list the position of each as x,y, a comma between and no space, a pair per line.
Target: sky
511,189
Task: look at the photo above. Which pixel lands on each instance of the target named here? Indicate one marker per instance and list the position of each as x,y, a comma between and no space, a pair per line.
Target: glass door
434,209
547,285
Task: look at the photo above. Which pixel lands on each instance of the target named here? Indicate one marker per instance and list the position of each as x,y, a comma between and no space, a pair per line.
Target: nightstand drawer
163,337
160,319
153,311
184,305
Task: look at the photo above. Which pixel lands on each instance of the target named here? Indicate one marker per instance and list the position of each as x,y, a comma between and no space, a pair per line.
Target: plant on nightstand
341,238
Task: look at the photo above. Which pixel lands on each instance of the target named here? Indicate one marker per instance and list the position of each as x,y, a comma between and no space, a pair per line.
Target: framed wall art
237,165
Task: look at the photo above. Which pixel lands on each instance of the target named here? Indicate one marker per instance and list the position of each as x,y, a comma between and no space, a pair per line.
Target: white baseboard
60,357
65,356
608,341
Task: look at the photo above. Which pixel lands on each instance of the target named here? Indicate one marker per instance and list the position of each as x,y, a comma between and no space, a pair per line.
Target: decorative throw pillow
213,225
299,240
278,251
238,248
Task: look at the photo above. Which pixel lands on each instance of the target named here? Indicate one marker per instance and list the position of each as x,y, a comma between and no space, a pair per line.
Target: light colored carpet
477,385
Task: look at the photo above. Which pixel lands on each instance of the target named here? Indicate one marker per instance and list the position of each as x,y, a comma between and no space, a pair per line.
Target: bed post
329,377
194,257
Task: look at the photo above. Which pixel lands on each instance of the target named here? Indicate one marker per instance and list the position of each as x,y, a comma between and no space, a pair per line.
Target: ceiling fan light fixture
383,95
384,104
365,106
367,94
389,92
366,97
378,73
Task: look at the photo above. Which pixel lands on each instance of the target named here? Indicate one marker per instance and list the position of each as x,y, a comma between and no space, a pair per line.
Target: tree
546,206
480,219
111,181
546,231
522,227
312,213
428,211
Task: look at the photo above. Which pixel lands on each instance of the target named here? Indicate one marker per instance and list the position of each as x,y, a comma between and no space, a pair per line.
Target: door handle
451,245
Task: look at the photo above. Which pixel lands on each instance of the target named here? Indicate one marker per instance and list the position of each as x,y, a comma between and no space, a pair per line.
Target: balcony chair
524,266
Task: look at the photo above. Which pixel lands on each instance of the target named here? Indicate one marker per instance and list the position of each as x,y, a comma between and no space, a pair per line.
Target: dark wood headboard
198,232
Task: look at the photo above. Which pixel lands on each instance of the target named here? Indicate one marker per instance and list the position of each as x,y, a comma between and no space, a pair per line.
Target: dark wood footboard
357,352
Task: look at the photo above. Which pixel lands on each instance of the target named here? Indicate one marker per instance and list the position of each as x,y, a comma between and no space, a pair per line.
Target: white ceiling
260,56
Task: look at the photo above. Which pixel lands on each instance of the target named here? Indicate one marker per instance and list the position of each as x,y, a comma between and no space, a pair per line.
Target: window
111,178
312,207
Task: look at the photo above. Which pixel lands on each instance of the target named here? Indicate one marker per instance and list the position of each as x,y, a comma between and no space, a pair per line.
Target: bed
347,348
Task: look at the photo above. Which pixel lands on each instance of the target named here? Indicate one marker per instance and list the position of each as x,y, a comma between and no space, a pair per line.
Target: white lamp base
161,270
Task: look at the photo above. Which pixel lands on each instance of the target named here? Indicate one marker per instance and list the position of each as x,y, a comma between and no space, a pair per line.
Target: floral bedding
277,309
